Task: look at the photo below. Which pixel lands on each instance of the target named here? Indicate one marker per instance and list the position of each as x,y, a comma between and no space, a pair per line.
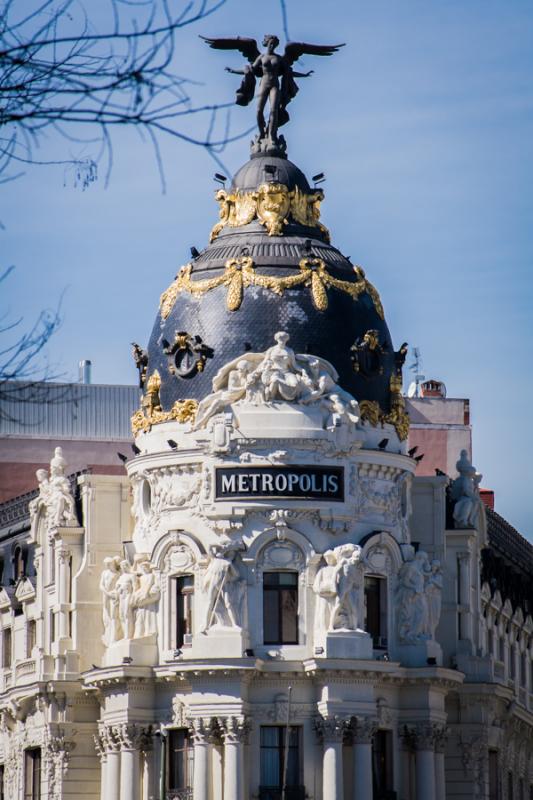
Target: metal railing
179,794
276,793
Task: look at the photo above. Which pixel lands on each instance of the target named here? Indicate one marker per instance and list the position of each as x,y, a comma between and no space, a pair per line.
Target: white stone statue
411,598
125,587
108,581
61,507
325,587
337,586
223,589
144,601
55,496
465,494
279,375
345,615
434,583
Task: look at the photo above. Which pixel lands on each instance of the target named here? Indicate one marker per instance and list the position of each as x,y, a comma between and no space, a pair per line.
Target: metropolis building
271,605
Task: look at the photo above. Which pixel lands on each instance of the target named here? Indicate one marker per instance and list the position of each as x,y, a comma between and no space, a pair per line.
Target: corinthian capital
234,729
131,736
363,729
425,735
332,729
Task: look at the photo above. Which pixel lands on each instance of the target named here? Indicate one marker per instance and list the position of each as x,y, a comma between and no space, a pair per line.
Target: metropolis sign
302,483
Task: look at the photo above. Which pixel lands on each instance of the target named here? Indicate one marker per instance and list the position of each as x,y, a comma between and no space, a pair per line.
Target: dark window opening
280,607
376,610
382,768
510,786
19,564
6,648
494,777
2,791
184,607
32,774
31,636
280,765
180,764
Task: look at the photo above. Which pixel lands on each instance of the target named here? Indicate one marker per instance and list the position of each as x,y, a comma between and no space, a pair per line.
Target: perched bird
440,473
418,459
383,444
412,451
136,449
122,457
194,252
172,444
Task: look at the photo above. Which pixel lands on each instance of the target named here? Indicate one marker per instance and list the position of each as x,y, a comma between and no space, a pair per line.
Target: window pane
271,629
180,760
289,616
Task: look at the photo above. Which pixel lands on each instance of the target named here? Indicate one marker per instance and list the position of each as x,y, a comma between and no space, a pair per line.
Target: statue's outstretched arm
236,71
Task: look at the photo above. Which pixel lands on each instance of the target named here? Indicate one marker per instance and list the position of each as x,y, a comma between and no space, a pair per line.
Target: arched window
19,563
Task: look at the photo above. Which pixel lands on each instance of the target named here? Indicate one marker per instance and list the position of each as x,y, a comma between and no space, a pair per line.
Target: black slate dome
269,267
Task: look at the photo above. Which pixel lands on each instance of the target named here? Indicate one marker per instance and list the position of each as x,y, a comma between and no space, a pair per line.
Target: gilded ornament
372,413
181,411
239,273
371,291
271,204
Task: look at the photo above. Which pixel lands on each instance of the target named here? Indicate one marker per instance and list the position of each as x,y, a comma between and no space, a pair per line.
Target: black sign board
307,483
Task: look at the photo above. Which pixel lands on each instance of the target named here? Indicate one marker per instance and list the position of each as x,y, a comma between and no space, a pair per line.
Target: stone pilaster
234,732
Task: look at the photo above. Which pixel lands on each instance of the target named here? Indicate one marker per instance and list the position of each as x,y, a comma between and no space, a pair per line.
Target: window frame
188,761
187,595
278,590
33,757
380,640
279,748
7,647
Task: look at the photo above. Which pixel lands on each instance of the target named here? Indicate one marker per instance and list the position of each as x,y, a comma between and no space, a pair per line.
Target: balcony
276,793
179,794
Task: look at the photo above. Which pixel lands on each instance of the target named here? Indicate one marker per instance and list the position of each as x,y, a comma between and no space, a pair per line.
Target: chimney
433,388
84,371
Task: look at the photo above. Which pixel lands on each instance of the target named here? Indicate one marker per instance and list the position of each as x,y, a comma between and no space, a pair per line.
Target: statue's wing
293,50
248,47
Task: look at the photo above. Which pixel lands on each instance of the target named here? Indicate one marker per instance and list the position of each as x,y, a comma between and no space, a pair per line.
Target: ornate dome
270,266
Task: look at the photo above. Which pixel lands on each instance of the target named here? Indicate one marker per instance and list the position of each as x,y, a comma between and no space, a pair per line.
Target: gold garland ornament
151,413
372,413
240,273
272,204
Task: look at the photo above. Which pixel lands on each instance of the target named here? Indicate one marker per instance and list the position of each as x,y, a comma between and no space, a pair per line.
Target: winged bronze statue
276,76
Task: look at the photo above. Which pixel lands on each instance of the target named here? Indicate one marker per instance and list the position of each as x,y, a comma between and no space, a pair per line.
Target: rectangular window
510,786
52,627
31,636
502,650
32,774
280,607
272,772
2,793
180,764
512,662
382,775
376,610
494,777
184,592
6,648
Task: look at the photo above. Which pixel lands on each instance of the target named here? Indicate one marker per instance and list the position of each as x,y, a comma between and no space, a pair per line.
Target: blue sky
423,125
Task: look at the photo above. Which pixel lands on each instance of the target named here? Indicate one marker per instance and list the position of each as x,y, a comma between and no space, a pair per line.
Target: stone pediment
25,590
5,598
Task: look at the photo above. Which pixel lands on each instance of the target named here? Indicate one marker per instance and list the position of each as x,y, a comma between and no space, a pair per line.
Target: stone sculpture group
337,589
130,598
279,375
418,597
55,498
223,589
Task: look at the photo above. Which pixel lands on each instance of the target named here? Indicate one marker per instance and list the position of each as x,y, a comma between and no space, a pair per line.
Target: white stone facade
164,642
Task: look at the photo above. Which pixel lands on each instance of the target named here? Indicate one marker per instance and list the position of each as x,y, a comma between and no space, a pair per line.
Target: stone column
363,729
332,731
64,555
201,753
131,739
465,595
99,743
234,731
425,761
111,742
440,770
